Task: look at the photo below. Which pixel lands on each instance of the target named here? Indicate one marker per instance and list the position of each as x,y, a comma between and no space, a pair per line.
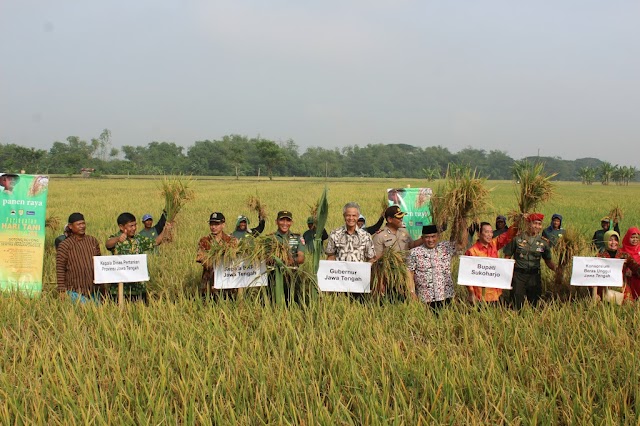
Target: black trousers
525,286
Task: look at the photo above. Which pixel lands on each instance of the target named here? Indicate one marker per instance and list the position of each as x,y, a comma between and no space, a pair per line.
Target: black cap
75,217
285,213
216,217
429,229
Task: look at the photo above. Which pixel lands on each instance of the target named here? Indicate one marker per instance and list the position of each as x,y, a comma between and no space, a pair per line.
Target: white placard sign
130,268
489,272
239,275
347,277
597,272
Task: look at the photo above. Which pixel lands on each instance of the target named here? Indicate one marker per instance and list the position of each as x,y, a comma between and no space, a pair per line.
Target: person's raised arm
376,226
160,238
111,242
258,229
160,225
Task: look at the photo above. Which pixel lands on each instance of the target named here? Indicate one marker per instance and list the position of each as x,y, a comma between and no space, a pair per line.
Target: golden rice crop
461,198
389,276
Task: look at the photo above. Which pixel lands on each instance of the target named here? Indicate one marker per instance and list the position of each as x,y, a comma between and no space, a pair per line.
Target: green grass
334,362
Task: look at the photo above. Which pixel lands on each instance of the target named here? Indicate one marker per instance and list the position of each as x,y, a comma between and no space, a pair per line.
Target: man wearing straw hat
527,250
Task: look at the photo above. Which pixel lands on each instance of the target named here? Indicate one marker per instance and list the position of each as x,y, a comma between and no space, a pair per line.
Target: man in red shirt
487,246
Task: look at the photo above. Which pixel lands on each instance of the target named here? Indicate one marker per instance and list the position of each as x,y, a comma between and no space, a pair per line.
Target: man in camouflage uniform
284,220
128,242
527,249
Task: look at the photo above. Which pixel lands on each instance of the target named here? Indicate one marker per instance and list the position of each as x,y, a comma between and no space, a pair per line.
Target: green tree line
236,155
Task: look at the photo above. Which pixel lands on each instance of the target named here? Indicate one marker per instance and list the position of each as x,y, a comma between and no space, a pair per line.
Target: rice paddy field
331,361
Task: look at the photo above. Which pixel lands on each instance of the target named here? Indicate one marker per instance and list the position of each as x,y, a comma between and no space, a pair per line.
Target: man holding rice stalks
128,242
527,250
350,243
242,227
292,258
488,246
218,237
598,236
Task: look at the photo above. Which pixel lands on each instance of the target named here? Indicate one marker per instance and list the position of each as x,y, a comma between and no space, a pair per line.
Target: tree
606,172
587,174
271,155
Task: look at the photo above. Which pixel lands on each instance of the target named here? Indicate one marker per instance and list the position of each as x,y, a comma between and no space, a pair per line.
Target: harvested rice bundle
572,243
389,276
176,192
616,215
535,188
260,208
464,197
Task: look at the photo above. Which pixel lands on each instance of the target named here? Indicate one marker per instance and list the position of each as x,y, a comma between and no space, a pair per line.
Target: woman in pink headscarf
631,246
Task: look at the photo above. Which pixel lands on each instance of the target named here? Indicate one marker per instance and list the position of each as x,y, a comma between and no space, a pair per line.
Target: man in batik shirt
350,243
429,267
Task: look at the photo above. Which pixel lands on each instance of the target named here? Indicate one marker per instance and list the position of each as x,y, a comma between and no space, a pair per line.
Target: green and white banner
415,202
22,231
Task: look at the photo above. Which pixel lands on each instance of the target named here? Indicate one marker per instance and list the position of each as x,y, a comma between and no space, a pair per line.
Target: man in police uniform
284,220
527,249
394,235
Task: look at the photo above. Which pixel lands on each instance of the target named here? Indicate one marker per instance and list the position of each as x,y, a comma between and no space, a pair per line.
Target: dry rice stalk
389,275
176,192
535,186
616,214
572,243
52,222
254,203
464,196
313,210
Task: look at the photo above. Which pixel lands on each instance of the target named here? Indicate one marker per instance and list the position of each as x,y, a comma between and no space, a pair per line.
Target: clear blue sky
558,76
